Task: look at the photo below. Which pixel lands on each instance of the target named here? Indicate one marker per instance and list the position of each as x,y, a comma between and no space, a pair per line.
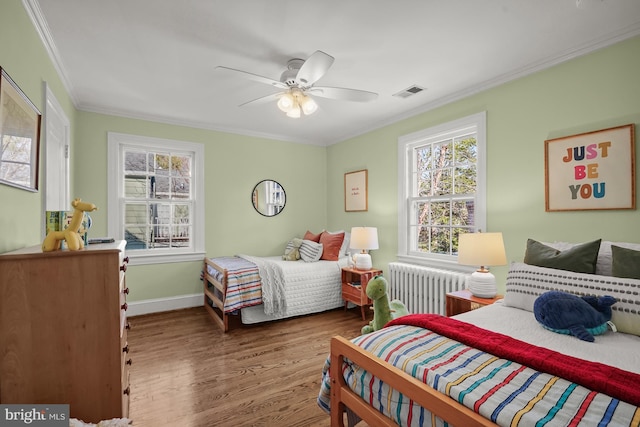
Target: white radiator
423,289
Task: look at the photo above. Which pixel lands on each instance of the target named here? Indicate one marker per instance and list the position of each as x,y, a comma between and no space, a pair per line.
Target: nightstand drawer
352,292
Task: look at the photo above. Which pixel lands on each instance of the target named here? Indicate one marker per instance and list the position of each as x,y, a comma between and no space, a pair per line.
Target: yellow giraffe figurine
70,234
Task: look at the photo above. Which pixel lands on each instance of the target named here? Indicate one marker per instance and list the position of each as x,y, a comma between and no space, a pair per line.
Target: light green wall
24,58
593,92
233,166
588,93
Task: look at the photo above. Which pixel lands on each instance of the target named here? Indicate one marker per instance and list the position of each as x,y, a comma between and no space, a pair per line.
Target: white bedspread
615,349
309,287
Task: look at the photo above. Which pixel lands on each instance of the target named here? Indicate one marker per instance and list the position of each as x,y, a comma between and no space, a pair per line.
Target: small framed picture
355,191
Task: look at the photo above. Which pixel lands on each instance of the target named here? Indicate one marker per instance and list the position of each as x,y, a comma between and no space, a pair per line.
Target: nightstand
462,301
354,287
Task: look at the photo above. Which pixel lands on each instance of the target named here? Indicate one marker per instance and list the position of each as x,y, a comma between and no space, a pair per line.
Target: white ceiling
156,59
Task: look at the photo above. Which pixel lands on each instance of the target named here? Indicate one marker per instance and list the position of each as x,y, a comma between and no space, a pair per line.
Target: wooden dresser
63,330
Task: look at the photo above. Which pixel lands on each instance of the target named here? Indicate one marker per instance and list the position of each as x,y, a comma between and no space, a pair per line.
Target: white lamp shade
481,249
364,238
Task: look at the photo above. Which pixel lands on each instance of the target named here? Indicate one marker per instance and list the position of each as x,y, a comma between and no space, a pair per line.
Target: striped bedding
244,287
502,390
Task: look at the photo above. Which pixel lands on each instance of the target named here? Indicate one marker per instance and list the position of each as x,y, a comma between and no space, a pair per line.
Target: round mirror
268,197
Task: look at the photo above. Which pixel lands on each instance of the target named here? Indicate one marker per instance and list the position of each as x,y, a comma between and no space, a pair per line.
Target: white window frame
406,144
116,143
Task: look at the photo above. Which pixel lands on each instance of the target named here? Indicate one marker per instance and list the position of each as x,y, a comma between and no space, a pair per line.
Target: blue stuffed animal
565,313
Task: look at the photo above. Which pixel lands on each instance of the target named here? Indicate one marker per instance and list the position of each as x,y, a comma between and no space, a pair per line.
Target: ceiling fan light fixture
308,105
294,112
286,102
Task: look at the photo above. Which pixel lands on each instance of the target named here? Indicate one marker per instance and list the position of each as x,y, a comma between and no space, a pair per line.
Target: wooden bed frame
217,313
342,396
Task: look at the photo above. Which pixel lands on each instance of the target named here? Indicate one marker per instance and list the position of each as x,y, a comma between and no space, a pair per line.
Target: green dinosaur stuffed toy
383,310
292,251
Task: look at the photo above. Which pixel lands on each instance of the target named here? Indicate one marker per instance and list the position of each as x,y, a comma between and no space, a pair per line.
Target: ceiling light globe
294,112
308,105
285,103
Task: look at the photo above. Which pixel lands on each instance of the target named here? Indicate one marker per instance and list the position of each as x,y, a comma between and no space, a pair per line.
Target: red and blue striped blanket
506,380
244,286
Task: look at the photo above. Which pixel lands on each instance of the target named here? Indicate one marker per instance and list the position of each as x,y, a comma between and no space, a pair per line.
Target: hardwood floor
187,373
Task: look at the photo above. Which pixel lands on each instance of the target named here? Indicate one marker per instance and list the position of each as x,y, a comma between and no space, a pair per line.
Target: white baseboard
157,305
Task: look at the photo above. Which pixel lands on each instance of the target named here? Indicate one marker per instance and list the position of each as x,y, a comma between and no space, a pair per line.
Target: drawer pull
126,260
126,391
125,349
126,291
128,326
129,362
123,267
124,306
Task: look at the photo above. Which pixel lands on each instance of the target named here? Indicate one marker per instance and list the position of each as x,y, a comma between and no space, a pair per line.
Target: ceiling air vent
411,90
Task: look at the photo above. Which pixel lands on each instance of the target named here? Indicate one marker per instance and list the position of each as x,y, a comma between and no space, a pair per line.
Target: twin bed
261,289
495,365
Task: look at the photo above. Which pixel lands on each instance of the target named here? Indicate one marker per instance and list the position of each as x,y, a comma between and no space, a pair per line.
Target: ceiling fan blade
343,94
251,76
263,99
314,68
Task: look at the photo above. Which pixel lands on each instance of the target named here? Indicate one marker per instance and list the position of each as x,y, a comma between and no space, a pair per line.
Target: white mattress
310,287
615,349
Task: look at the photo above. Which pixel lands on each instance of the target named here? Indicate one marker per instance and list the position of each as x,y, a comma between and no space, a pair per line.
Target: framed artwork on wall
355,191
591,171
19,136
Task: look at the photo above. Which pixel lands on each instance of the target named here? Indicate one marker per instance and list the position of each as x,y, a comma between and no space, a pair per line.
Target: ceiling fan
297,84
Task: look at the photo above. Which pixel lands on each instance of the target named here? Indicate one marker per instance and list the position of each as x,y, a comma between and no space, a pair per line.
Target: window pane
465,180
421,213
162,164
181,187
442,155
462,213
181,165
440,240
163,190
466,149
440,213
136,237
134,161
136,213
423,239
160,213
135,186
442,182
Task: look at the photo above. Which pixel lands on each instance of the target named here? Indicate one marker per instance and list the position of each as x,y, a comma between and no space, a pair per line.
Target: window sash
415,243
179,234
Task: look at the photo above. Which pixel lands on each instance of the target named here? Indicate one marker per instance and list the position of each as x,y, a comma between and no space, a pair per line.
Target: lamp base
363,261
483,284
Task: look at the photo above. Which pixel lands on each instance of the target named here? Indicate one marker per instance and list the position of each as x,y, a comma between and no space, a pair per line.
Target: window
156,198
441,189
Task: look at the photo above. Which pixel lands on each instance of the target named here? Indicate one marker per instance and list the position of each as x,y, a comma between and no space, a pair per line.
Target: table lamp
363,239
482,249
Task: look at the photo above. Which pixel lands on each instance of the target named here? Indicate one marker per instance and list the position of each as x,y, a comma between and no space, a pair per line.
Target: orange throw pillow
313,237
331,244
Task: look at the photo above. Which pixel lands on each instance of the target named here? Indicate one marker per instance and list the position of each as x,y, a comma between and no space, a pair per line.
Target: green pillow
579,259
626,262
